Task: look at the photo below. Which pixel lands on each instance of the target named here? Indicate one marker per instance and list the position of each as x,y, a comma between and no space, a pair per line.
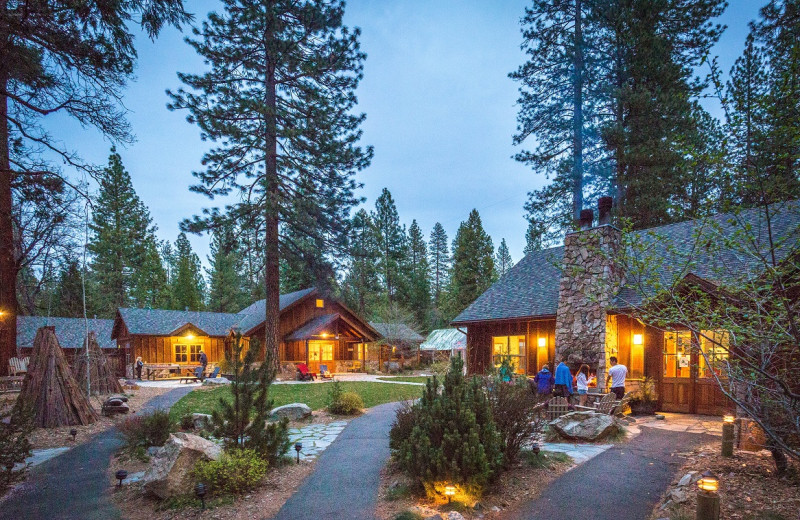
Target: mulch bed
749,487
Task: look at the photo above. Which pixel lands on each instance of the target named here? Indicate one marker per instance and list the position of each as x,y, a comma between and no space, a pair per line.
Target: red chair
303,374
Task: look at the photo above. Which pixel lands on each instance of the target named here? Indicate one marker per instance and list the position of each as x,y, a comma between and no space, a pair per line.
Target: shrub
408,515
236,471
15,427
403,425
186,422
455,439
146,430
515,414
349,403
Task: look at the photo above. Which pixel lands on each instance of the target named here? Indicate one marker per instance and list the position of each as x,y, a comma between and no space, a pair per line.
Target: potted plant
644,401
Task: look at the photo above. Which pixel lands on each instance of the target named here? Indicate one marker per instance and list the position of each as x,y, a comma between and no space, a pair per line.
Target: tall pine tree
391,240
417,285
67,298
188,286
225,280
362,285
473,264
503,262
278,103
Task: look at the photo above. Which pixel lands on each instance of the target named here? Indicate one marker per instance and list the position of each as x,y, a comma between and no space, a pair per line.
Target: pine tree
278,103
391,239
473,264
67,298
150,288
122,243
362,283
188,287
503,261
533,236
417,286
439,261
225,280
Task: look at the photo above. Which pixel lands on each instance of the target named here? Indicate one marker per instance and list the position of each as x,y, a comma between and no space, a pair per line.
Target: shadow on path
75,485
625,481
346,480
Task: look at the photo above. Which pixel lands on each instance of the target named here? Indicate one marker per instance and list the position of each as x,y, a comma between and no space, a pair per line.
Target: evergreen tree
473,264
391,239
188,287
67,298
168,259
503,261
151,289
122,243
226,282
439,261
533,236
417,285
278,104
362,283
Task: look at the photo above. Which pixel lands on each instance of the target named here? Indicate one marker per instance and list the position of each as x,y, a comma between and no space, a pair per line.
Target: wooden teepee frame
50,388
101,373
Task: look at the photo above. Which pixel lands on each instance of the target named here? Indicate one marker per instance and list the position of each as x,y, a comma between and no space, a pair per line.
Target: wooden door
712,357
676,392
320,353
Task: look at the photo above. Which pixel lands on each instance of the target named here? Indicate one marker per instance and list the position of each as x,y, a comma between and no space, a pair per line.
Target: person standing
617,373
544,381
138,366
203,363
582,383
563,381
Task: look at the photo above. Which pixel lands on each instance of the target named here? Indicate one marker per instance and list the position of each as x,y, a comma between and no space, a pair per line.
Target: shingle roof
69,331
445,339
313,327
255,314
397,332
530,288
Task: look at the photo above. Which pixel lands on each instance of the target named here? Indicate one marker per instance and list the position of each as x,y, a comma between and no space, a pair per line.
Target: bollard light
121,475
449,492
74,433
707,497
708,482
727,435
200,491
297,447
536,449
728,418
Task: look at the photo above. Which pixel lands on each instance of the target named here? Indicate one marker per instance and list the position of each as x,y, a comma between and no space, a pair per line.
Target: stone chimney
590,278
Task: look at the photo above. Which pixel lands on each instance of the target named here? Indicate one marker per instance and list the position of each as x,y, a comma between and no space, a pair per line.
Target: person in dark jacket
203,363
544,381
563,381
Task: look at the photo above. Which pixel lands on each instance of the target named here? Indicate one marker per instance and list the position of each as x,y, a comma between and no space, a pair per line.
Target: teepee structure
102,380
50,388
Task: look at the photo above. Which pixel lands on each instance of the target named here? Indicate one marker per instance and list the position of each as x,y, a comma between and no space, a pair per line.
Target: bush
186,422
403,425
408,515
236,471
349,403
15,427
515,414
454,439
146,430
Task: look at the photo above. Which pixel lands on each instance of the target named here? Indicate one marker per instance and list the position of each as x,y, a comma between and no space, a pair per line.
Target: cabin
572,303
314,328
398,345
443,344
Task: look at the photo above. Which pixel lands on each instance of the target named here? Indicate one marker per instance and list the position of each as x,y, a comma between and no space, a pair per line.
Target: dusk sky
440,113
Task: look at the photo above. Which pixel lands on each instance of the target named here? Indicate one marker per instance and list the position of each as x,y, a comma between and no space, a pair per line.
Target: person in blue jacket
563,381
544,381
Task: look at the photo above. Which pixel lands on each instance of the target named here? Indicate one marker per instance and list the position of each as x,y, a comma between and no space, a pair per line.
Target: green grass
315,395
545,459
405,379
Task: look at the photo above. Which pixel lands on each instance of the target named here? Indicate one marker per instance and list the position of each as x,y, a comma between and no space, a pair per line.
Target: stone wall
589,280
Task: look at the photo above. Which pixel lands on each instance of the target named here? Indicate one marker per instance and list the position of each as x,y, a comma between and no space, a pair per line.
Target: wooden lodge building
572,303
315,329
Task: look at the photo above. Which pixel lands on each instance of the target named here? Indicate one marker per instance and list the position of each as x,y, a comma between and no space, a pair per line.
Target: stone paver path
74,486
346,480
315,438
580,453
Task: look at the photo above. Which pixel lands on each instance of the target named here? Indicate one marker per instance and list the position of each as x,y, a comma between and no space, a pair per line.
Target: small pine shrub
236,471
349,403
514,409
334,393
15,428
146,430
408,515
186,422
403,425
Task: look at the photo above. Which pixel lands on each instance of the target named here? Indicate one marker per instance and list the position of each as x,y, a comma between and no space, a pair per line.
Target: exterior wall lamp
638,339
542,342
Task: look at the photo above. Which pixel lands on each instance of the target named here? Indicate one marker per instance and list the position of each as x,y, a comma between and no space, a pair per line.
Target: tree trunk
271,218
779,457
577,119
8,264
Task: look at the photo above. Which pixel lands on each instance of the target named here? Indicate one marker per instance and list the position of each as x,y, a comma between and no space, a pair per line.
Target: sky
441,113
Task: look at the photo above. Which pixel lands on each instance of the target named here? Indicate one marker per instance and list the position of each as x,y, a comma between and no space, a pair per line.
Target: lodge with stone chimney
572,303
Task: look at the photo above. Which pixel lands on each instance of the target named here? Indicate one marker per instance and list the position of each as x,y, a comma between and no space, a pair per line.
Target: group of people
199,371
560,384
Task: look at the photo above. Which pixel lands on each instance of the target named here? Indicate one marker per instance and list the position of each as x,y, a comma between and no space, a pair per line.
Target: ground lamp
200,491
74,433
536,449
449,492
727,435
708,497
121,475
297,447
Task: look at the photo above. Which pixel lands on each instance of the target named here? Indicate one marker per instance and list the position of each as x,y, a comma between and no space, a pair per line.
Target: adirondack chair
606,405
324,373
557,407
18,366
303,373
619,406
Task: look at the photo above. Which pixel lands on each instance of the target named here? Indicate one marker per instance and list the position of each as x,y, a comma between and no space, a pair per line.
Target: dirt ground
519,484
749,487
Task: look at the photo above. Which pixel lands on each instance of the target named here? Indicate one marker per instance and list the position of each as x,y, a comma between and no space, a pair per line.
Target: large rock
170,471
585,426
201,420
216,381
292,411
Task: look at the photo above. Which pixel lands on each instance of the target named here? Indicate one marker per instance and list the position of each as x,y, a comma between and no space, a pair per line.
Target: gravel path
75,485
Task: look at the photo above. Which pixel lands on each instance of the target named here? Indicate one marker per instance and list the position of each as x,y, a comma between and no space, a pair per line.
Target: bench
11,383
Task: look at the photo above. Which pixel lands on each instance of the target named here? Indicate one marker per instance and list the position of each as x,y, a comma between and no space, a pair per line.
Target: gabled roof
397,332
314,327
445,339
255,314
157,322
70,332
530,288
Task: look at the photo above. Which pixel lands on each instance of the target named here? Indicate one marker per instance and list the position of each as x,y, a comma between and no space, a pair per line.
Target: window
327,352
320,304
511,348
715,345
677,354
187,353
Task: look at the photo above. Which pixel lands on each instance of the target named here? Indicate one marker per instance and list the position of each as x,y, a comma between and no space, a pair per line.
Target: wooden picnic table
153,370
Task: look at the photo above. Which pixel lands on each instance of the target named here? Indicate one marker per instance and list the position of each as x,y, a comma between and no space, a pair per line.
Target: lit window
187,353
511,348
320,304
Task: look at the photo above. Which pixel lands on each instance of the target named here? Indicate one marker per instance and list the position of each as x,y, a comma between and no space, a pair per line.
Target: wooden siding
161,349
479,342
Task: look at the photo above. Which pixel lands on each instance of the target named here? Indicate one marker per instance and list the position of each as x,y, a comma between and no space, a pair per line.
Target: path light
536,449
449,492
708,497
727,435
200,491
121,475
297,447
74,433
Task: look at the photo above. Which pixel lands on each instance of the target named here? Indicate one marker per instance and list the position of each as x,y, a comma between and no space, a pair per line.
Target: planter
643,407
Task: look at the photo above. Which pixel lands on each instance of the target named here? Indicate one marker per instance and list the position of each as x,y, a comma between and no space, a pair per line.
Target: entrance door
320,353
711,365
676,383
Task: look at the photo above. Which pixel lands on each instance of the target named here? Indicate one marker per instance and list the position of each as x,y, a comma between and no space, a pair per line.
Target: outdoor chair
619,406
557,407
606,405
303,373
324,373
18,366
215,373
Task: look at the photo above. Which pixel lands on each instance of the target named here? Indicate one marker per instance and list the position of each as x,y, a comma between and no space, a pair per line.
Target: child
582,383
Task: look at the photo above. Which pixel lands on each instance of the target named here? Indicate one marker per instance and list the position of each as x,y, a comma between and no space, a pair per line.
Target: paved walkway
315,438
625,481
75,485
346,479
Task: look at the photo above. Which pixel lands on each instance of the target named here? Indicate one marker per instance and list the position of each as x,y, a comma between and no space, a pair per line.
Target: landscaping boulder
201,420
585,426
216,381
115,406
293,412
170,471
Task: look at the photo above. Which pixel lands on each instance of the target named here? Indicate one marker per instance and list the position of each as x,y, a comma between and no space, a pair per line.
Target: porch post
306,352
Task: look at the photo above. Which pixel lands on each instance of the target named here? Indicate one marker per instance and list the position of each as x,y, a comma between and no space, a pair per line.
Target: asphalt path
75,486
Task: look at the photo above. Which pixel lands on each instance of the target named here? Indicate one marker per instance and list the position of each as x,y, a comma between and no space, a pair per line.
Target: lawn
314,395
406,379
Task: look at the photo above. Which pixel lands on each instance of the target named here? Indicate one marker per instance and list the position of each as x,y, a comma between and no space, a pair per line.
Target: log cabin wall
161,349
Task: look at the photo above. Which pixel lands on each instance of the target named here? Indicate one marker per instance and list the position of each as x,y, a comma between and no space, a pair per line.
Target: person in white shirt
582,381
617,374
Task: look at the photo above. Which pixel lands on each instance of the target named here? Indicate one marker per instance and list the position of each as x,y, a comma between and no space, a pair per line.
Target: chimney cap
605,203
587,214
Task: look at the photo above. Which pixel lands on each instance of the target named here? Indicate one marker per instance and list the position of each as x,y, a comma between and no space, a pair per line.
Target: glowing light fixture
728,418
324,334
542,342
320,304
638,339
708,482
189,336
449,492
